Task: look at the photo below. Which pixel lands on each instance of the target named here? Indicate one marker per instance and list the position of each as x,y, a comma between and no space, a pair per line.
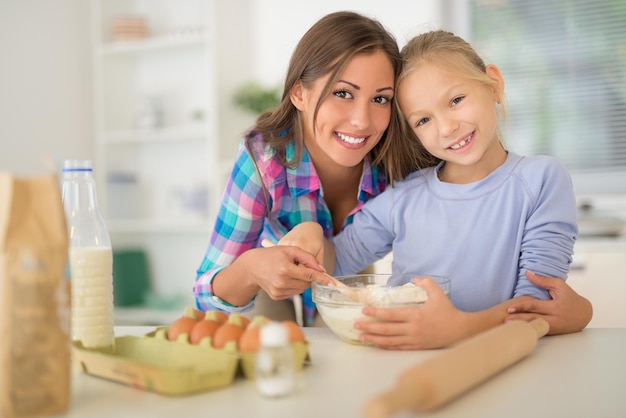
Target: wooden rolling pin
439,379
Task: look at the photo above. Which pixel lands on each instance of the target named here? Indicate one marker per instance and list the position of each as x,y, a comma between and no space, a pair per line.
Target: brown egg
296,334
203,329
182,325
231,330
249,340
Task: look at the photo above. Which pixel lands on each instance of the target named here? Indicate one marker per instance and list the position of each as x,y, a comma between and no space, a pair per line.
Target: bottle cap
274,334
77,165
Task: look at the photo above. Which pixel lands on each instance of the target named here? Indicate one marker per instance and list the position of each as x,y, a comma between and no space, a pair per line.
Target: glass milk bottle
90,258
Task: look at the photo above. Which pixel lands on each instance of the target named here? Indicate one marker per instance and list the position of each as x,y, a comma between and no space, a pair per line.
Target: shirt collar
303,179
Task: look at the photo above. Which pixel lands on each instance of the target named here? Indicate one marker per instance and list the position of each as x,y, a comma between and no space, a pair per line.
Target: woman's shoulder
255,151
256,145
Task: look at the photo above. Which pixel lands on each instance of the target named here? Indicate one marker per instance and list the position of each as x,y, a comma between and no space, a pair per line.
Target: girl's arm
309,236
437,323
434,324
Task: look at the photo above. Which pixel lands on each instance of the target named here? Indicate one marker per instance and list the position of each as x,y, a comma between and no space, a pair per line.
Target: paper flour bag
35,343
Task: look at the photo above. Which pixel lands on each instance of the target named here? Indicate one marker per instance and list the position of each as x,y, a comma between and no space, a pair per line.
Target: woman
330,145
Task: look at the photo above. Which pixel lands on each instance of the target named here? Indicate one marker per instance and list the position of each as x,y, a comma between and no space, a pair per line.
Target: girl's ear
296,95
494,73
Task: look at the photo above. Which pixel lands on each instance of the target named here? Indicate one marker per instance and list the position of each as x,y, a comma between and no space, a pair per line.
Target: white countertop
577,375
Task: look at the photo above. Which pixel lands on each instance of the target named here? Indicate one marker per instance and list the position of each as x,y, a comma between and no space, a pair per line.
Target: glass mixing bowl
341,306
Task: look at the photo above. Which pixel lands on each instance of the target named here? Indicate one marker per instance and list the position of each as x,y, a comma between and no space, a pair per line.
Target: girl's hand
308,236
566,312
436,323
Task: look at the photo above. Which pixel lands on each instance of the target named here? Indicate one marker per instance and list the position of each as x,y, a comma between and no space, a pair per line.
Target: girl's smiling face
455,119
354,117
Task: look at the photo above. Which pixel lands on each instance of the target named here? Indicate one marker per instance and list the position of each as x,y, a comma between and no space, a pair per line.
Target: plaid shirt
246,217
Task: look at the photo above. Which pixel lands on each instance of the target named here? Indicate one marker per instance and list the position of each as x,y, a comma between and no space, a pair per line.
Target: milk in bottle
90,258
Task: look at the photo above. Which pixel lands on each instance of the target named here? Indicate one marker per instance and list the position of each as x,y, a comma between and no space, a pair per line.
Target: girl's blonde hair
452,54
327,48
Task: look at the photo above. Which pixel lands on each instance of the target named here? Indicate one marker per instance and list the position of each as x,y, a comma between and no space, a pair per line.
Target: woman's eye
344,94
382,99
457,100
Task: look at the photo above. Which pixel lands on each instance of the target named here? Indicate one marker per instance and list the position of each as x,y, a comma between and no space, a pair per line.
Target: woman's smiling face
354,117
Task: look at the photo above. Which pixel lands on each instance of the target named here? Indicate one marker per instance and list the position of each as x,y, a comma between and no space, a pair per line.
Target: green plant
256,98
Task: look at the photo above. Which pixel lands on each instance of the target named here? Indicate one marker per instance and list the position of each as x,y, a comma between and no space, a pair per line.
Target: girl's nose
448,126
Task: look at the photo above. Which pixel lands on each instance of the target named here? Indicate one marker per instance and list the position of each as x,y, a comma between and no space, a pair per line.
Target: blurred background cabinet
166,132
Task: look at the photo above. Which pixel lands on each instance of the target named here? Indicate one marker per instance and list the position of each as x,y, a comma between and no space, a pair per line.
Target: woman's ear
296,95
494,73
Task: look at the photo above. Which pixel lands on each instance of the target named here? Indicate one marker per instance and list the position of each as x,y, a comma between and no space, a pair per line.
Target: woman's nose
361,115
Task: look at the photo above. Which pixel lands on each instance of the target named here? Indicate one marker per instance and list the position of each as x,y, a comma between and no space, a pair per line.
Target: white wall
45,71
45,83
279,24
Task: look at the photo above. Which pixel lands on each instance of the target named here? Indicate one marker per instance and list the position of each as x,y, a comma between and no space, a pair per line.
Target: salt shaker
275,363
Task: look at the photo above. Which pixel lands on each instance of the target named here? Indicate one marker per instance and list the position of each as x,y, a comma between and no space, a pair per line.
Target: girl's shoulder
542,173
538,164
410,185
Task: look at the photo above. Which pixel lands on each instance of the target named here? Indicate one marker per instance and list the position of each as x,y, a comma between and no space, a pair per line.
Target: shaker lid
274,334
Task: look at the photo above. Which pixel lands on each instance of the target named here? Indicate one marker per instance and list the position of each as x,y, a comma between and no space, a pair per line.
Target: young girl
487,218
330,145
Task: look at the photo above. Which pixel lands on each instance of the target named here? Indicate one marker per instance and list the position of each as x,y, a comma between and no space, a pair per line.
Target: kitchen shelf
152,44
202,226
162,128
175,133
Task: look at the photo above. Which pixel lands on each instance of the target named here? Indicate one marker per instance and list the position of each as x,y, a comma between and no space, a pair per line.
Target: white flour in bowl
341,318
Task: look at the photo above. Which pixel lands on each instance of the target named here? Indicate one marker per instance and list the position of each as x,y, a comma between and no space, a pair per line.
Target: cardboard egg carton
246,363
154,363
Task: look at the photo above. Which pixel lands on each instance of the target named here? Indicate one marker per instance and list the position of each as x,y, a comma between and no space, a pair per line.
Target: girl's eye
382,99
457,100
344,94
421,122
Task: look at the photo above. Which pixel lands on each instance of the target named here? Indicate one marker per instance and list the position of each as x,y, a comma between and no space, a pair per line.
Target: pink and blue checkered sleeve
237,229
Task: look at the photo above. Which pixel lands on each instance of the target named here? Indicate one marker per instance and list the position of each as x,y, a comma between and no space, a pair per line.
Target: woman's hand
567,311
436,323
282,271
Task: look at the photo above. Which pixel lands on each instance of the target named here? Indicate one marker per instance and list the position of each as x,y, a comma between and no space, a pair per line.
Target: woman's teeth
350,139
462,143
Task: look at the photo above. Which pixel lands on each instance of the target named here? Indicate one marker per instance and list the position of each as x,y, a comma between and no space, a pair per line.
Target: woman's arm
236,230
566,312
234,269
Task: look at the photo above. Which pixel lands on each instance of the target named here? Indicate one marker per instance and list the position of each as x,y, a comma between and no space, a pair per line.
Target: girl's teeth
462,143
350,139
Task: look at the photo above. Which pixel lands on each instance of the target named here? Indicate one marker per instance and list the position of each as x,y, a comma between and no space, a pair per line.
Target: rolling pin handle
540,326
